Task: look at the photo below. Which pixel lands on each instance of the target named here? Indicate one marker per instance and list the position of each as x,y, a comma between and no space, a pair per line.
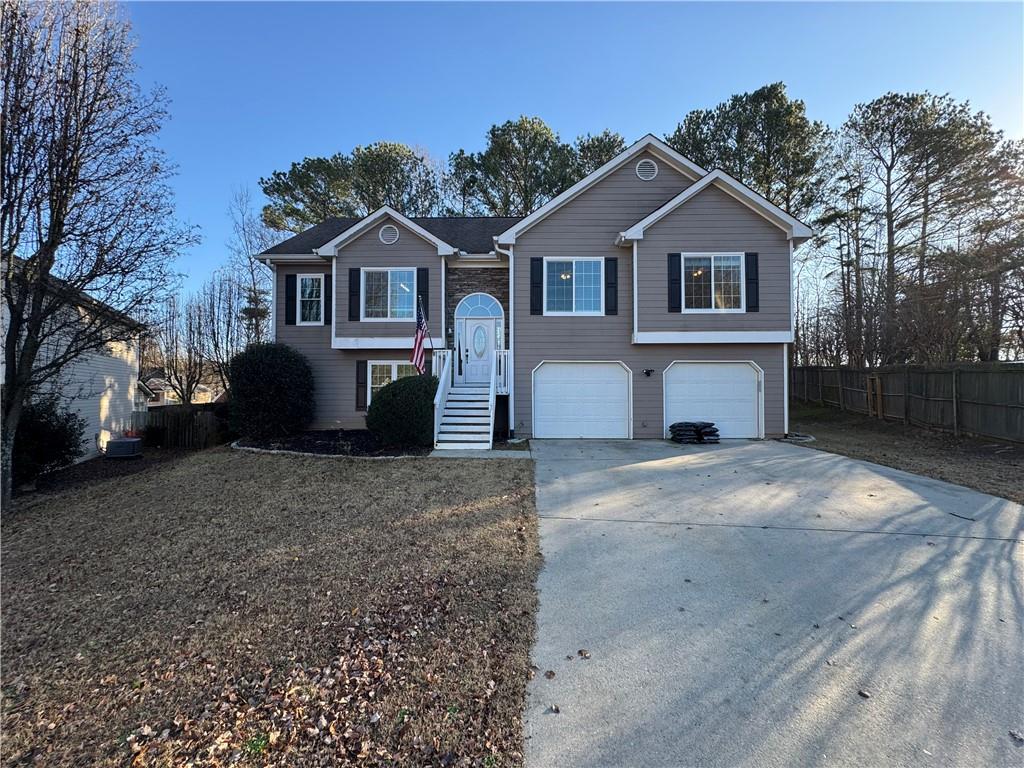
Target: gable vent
388,234
647,169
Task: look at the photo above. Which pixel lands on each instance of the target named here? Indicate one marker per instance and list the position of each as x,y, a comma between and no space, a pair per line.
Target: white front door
476,345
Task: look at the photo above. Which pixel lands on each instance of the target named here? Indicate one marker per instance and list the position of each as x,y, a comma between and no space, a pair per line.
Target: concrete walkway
736,600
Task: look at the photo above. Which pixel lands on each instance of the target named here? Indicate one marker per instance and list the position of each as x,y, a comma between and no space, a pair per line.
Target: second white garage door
581,400
725,393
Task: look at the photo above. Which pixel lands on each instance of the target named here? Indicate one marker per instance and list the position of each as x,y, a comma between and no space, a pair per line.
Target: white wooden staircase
463,412
467,420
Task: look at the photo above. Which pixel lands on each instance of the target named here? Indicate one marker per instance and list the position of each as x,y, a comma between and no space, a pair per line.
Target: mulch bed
232,608
334,442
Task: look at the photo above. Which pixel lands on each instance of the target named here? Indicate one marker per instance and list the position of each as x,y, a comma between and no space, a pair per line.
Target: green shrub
48,437
272,391
402,413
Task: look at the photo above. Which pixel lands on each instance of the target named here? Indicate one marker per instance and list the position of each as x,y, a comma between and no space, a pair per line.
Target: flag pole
419,308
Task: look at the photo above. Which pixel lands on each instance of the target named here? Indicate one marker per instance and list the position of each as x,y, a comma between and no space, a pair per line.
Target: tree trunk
12,415
889,321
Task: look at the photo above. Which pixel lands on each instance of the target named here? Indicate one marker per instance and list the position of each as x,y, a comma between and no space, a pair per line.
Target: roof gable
649,142
793,227
332,246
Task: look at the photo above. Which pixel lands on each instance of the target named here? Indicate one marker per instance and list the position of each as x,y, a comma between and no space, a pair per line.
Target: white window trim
712,255
298,299
573,313
369,374
362,295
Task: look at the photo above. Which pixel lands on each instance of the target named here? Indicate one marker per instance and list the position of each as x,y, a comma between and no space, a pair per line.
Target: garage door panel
581,400
725,393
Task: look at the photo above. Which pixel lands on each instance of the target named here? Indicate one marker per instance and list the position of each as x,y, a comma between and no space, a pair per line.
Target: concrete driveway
737,599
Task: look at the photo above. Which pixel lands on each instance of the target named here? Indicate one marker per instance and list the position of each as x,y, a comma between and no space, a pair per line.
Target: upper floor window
311,300
389,294
573,286
713,282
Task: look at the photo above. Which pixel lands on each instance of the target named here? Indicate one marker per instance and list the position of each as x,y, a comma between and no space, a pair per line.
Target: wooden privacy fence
179,426
986,401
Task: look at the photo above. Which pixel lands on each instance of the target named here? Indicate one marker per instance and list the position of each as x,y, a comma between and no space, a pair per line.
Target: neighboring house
101,386
143,395
164,394
650,292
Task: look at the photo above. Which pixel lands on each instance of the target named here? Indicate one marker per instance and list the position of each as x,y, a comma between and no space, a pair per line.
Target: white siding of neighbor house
100,387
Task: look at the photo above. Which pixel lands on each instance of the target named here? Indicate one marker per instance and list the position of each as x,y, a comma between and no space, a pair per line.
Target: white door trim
751,363
533,392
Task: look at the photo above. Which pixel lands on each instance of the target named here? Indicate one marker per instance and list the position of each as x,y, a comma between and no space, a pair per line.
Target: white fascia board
794,228
330,248
682,164
271,258
713,337
380,342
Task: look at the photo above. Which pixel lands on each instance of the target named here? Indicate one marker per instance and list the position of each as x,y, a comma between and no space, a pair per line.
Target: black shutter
328,297
289,299
360,384
536,286
423,289
753,299
675,282
611,286
428,364
353,295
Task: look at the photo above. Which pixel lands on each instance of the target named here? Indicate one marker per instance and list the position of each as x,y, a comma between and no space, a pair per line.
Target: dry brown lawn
231,608
989,466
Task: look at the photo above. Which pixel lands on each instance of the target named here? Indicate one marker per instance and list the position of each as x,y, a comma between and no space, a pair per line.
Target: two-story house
650,292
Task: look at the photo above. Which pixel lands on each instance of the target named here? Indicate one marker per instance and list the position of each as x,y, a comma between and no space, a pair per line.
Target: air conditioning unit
123,447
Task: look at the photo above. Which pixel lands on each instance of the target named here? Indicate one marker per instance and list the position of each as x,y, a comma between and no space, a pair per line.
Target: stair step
465,429
467,396
481,419
462,446
474,389
470,407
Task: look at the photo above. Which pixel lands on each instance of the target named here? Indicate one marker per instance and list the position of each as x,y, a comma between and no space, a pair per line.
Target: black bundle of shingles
694,432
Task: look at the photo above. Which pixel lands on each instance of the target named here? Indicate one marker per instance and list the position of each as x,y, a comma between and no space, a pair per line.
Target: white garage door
725,393
581,400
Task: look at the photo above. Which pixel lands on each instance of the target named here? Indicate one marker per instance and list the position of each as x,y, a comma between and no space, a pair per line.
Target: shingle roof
472,234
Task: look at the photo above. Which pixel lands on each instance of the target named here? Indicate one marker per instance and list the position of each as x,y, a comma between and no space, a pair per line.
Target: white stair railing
502,372
491,393
444,384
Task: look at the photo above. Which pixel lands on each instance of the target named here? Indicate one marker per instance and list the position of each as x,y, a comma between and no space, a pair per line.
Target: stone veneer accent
462,281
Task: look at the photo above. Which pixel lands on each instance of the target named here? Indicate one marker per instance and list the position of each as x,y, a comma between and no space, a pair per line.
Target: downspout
511,338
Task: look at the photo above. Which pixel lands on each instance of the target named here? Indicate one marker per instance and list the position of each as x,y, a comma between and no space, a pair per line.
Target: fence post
821,393
956,404
803,373
906,394
842,400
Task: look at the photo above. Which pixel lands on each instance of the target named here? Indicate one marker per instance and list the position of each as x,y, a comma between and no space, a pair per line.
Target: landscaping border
278,451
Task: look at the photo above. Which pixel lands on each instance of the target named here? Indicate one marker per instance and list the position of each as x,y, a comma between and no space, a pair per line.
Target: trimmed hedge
402,413
272,391
48,437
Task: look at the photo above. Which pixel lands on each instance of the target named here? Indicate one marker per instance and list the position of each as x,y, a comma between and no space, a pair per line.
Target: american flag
418,354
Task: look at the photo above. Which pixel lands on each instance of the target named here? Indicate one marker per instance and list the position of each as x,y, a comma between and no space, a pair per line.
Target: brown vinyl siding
334,370
588,226
713,221
410,252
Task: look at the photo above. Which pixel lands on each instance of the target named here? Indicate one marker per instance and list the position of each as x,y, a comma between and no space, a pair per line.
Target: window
573,286
311,300
713,282
383,373
389,294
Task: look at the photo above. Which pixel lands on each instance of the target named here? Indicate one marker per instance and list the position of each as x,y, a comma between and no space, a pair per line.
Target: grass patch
989,466
228,607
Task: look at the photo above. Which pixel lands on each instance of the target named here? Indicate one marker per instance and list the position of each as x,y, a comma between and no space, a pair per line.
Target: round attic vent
388,234
647,169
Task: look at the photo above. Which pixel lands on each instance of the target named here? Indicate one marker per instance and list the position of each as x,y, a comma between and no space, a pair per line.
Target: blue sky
255,86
